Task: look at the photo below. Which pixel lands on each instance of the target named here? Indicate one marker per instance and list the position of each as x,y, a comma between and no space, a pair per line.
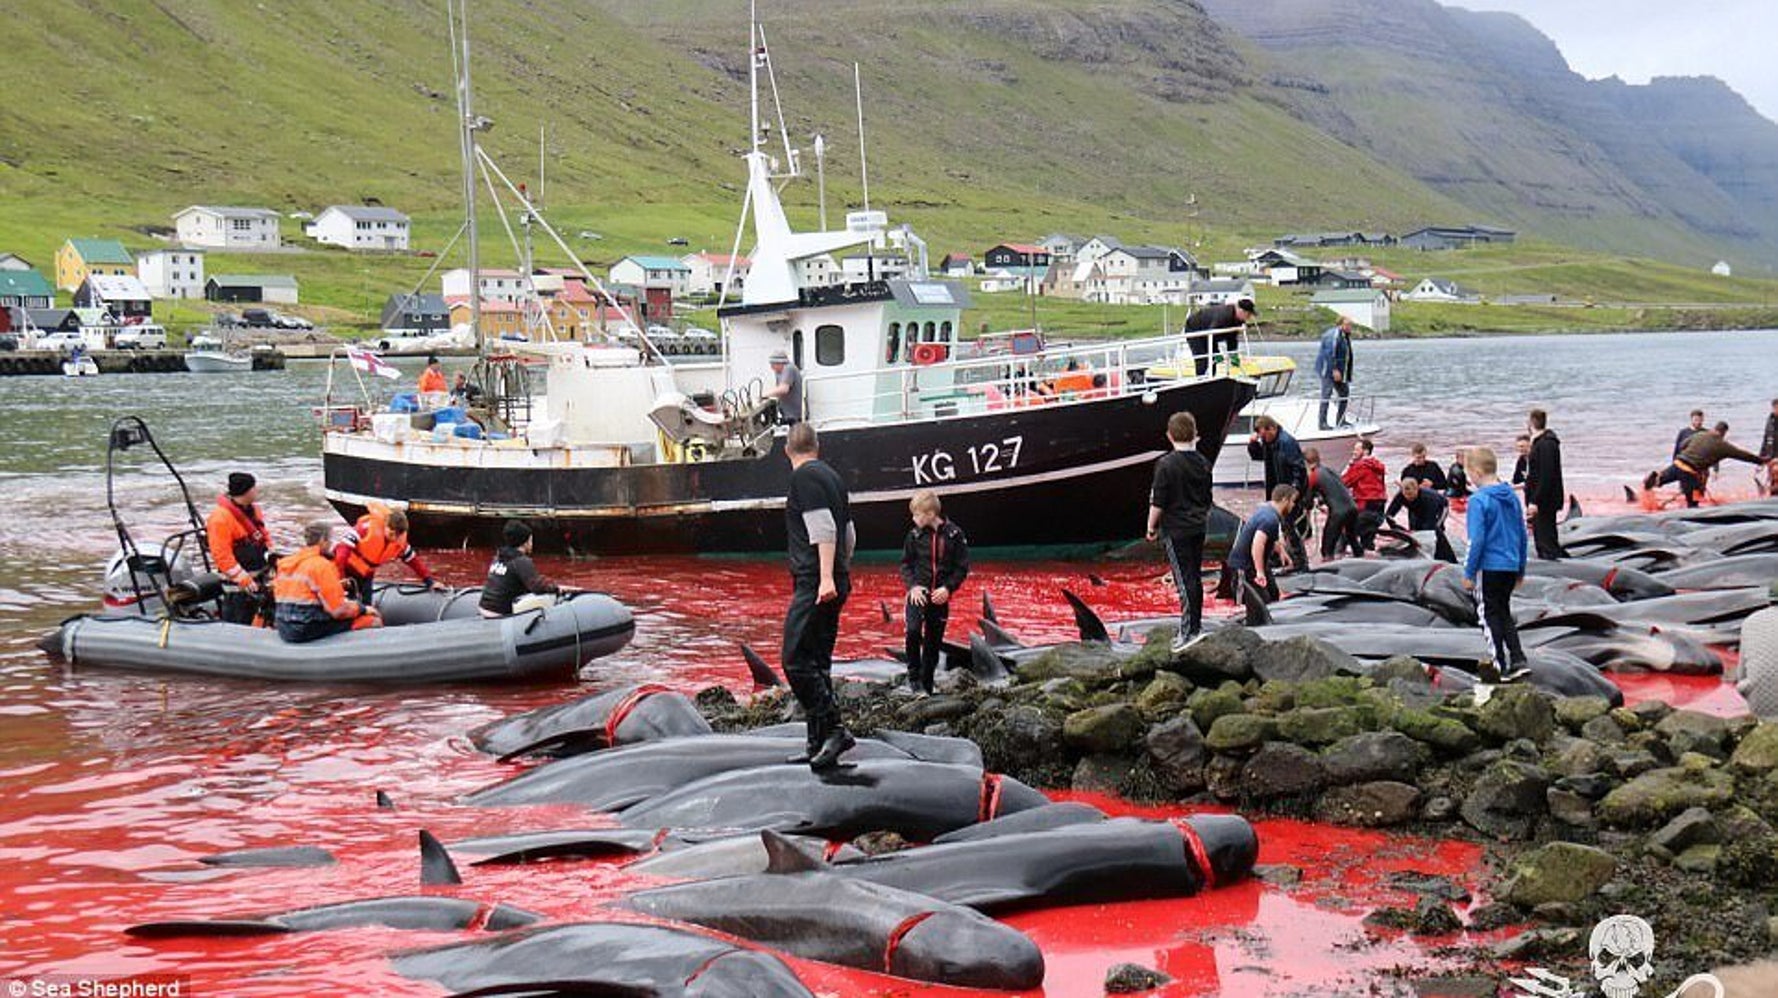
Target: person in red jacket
1365,478
378,538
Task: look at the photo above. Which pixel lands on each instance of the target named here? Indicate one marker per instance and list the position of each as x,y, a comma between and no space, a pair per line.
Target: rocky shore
1586,811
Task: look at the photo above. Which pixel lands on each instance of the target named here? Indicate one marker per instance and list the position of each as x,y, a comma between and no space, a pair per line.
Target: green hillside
987,121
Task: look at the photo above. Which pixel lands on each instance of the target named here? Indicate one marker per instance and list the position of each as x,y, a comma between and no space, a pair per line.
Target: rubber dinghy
452,647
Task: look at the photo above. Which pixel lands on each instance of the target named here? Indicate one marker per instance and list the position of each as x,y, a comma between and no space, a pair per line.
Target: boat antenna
756,51
863,160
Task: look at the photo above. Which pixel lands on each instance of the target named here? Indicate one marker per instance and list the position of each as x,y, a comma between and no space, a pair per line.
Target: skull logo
1623,948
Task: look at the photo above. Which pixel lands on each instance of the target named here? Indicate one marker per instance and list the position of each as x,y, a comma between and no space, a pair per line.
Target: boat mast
468,125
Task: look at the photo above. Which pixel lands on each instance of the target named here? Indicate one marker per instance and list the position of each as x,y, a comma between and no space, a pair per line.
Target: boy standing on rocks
934,563
1178,516
1496,563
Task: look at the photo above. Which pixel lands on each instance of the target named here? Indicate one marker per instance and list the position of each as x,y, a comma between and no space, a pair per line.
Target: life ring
928,353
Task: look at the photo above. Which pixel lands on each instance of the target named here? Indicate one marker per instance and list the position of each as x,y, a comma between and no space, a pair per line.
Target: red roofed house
1016,256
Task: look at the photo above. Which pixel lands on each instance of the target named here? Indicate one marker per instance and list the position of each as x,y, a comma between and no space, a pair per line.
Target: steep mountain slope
1482,107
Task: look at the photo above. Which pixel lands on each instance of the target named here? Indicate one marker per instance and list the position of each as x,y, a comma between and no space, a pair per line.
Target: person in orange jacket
432,379
378,538
240,548
312,602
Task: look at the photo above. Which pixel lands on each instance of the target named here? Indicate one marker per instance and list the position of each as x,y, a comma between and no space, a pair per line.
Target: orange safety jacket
237,538
371,546
432,381
308,577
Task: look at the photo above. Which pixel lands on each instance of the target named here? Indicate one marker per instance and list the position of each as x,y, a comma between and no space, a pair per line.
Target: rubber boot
838,742
928,677
817,733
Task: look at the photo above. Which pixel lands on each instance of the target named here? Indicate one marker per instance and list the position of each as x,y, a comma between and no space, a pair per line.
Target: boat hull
1054,475
216,363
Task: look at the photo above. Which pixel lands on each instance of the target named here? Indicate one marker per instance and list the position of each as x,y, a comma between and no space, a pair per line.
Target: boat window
796,348
931,332
830,346
894,342
944,331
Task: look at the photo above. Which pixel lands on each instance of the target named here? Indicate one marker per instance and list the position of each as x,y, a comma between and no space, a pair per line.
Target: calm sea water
106,777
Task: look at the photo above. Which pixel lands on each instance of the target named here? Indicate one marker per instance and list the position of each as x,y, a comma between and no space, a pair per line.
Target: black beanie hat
240,483
515,533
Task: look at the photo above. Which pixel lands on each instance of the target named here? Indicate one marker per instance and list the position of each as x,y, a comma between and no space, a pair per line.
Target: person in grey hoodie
1495,565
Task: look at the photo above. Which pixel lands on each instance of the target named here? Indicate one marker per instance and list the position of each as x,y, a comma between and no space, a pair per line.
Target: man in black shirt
512,574
818,521
1341,528
1423,468
1426,511
1545,492
1227,320
1178,515
1282,458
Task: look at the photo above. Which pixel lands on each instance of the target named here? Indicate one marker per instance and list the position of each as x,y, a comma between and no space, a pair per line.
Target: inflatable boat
163,604
430,638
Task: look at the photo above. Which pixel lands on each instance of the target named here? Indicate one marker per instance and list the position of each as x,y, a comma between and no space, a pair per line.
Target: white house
121,297
1061,246
1437,289
1367,307
496,285
709,270
1227,291
652,272
172,273
12,261
1095,248
1722,269
818,271
359,227
227,228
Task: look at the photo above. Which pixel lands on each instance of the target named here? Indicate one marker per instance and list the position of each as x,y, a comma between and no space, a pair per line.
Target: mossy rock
1758,751
1442,733
1208,705
1574,712
1517,712
1094,665
1660,794
1315,726
1103,729
1164,695
1558,873
1240,732
1334,691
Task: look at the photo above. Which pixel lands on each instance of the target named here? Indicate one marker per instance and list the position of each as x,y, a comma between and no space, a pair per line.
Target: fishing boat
625,452
209,355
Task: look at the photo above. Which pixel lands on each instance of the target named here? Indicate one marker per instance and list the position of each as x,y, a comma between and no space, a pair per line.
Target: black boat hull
1044,476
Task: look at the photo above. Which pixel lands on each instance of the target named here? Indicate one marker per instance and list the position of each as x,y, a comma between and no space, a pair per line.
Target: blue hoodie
1496,531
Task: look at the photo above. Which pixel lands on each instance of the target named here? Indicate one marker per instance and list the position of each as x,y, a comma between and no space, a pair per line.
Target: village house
1446,237
1366,307
39,320
79,259
1437,289
359,227
1318,240
25,289
1095,248
1283,268
1061,247
1722,269
273,289
495,285
1017,258
12,261
857,268
1343,280
1224,291
956,265
499,319
122,297
172,273
1131,275
818,271
707,273
419,313
652,273
241,229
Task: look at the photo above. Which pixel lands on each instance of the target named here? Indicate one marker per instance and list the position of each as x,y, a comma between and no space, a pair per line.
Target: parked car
283,321
227,320
147,336
259,318
8,343
62,342
678,241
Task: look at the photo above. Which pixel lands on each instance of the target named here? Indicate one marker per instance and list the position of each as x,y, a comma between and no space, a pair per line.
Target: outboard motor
136,582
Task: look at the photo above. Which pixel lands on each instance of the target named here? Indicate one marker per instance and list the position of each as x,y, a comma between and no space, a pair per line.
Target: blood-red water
111,785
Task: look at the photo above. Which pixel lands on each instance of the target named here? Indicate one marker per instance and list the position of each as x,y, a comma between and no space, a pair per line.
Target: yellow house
499,318
79,259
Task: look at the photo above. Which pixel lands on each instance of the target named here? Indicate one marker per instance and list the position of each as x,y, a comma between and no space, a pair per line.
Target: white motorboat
1299,416
207,355
80,366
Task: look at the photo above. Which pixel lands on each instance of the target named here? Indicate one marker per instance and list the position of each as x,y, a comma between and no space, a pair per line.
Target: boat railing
1055,375
1300,414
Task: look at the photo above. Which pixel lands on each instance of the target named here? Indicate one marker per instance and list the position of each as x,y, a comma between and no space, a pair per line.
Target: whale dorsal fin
786,855
435,863
1086,620
757,667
